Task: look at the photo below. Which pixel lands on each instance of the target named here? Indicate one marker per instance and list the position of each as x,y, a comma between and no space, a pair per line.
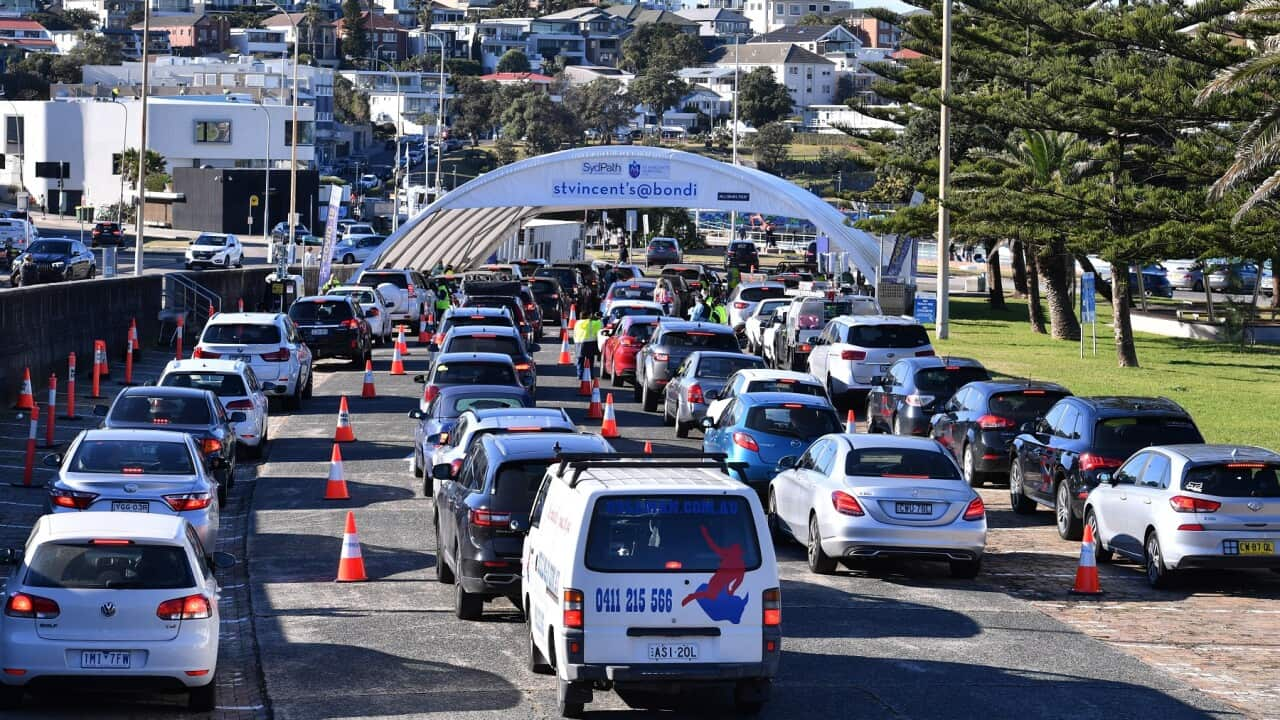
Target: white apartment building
766,15
212,131
265,41
408,101
808,77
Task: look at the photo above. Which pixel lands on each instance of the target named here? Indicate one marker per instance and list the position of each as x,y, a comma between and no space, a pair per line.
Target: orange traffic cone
344,433
26,400
609,428
594,411
424,337
564,352
351,562
584,382
648,448
337,487
401,345
397,365
573,314
850,422
1087,572
367,392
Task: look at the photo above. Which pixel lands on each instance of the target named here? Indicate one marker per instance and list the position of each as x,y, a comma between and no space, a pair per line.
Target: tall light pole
439,114
124,146
140,224
293,140
942,323
266,184
733,214
395,193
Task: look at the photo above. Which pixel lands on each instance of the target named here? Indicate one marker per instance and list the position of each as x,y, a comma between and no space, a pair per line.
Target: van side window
535,513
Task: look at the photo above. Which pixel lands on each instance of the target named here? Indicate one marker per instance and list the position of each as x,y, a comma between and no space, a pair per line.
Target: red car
618,353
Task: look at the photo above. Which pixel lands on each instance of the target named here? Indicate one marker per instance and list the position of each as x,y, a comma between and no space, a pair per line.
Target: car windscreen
486,301
477,320
621,311
516,483
91,566
312,312
161,410
948,379
132,457
887,336
1023,404
632,292
485,342
374,279
787,386
662,245
485,402
221,384
544,287
815,313
1234,480
1120,437
756,294
695,340
626,273
675,534
907,463
212,240
50,247
641,331
475,373
723,367
793,420
241,334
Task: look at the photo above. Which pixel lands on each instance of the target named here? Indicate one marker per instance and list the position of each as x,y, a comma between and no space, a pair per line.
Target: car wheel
872,427
310,387
604,367
966,569
682,429
638,391
1159,576
775,522
444,574
650,400
749,697
538,664
1018,501
1100,552
93,272
819,562
205,698
294,401
1069,526
417,463
970,468
466,606
348,259
566,707
615,378
898,428
257,451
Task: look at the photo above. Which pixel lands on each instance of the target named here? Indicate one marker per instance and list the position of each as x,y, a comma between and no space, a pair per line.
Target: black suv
333,326
482,515
571,283
672,342
741,254
1079,443
106,233
979,422
906,397
552,299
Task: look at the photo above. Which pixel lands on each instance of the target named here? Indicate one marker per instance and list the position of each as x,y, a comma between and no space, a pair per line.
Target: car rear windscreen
132,457
241,334
887,336
161,410
661,245
621,311
815,313
544,287
311,312
516,484
220,384
906,463
786,386
474,373
694,340
642,331
1120,437
632,292
374,279
723,367
485,342
487,402
1234,480
756,294
109,566
1024,404
564,275
947,380
796,420
672,533
477,321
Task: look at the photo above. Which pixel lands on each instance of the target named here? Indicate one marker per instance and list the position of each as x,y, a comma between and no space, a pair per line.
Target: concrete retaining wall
1170,326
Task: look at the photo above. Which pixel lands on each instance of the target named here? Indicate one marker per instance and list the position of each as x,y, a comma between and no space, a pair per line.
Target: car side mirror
268,387
238,416
416,414
421,379
708,423
787,463
99,410
53,460
10,556
435,438
222,560
443,471
1028,428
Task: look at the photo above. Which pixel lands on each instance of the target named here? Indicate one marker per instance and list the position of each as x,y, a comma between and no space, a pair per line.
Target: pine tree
355,32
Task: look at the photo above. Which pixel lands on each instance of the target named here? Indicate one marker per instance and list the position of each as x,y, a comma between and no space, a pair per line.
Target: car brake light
413,292
1182,503
240,405
739,305
110,541
1191,527
528,306
1032,392
925,353
350,323
203,354
489,518
525,428
454,467
573,608
695,394
22,605
523,366
430,392
994,422
793,406
1089,461
846,504
280,355
210,446
1254,466
772,602
191,607
976,510
71,499
745,441
188,501
915,400
853,355
661,356
805,347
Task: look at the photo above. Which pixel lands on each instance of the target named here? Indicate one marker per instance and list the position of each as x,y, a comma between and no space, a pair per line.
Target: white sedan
761,315
237,388
857,497
124,599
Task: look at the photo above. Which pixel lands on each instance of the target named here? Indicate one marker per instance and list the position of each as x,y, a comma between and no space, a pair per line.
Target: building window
795,70
780,9
13,132
813,8
795,9
307,134
213,131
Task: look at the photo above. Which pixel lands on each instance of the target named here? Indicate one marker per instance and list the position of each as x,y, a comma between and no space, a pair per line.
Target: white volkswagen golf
112,601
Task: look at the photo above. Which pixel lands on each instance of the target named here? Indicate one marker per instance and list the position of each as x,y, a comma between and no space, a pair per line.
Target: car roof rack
578,462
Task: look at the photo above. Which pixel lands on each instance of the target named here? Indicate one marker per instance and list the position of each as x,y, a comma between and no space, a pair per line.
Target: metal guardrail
180,296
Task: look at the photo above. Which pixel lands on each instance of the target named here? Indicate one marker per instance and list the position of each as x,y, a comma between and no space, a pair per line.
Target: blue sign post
926,309
1088,309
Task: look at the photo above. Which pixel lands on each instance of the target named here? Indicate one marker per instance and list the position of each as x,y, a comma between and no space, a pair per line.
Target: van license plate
111,659
673,652
131,507
1257,547
319,331
913,508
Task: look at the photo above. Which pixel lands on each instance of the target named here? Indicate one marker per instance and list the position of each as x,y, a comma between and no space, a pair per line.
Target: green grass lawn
1233,394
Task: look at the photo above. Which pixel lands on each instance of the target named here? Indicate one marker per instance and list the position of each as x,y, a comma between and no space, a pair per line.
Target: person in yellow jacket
586,334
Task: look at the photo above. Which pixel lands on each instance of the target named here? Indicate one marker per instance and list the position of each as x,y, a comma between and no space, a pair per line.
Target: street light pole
733,214
942,322
439,115
140,223
395,192
293,141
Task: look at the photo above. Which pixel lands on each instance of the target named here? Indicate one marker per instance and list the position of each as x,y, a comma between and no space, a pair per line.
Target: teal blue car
757,430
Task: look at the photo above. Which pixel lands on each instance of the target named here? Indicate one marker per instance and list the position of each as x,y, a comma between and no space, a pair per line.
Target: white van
642,572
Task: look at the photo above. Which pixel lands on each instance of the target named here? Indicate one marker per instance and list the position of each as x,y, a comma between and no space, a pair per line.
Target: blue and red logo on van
716,596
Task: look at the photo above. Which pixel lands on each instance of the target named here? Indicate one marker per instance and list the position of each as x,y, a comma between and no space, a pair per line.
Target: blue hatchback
757,430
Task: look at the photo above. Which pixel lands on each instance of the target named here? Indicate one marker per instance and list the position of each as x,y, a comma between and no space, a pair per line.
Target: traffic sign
631,221
253,201
926,309
1088,299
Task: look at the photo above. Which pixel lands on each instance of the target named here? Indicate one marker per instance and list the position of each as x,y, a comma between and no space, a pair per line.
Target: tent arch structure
464,226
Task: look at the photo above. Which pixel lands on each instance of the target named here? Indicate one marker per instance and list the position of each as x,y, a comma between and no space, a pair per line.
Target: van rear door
674,578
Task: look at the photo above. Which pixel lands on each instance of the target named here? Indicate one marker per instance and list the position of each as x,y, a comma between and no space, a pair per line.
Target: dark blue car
449,403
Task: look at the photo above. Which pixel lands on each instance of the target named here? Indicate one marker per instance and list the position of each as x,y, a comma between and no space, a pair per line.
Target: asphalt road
904,642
